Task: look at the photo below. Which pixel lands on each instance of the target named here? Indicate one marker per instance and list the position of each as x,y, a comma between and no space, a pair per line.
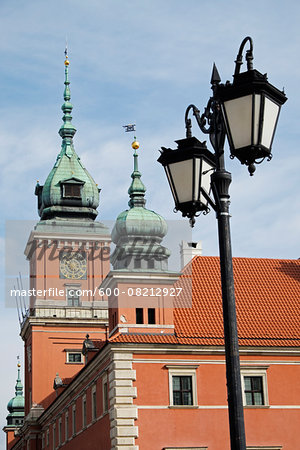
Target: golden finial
135,145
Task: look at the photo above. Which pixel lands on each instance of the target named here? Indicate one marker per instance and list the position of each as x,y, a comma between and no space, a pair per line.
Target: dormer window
71,188
72,191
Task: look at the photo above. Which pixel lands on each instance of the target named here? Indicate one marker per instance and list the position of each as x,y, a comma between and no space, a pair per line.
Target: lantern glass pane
182,174
256,119
197,178
271,112
205,181
170,183
239,118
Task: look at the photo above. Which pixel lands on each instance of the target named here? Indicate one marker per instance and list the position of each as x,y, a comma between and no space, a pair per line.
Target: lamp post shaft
221,180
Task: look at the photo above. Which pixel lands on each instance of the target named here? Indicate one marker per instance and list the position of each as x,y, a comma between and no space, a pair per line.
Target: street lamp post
246,112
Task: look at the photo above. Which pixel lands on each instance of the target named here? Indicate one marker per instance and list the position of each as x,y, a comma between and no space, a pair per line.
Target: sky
139,62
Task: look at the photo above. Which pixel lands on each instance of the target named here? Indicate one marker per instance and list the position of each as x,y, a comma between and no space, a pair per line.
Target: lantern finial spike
215,76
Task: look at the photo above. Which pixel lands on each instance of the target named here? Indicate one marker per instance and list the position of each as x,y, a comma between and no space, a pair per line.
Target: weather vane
129,127
135,144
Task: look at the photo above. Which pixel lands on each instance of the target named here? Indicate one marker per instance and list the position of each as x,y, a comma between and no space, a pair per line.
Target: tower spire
19,386
67,130
137,188
69,191
16,404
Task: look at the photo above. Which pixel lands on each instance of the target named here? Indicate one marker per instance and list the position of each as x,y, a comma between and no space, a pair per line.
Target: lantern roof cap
249,82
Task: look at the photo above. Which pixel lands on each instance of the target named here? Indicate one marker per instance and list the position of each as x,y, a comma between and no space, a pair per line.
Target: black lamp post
246,111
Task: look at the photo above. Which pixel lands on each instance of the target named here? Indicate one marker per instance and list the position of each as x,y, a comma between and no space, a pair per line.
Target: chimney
188,250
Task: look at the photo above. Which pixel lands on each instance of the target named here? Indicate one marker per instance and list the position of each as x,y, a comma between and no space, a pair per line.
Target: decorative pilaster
123,412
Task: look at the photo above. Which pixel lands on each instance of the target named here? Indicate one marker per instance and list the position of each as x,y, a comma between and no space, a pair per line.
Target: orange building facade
146,389
131,356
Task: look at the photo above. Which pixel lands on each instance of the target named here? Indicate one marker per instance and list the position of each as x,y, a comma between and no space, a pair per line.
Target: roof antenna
21,283
20,299
18,309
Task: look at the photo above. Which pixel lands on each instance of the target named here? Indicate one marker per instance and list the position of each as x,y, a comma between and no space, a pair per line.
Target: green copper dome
139,221
69,191
139,231
16,406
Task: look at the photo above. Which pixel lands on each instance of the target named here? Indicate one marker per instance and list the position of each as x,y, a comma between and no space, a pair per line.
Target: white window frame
105,401
68,352
94,402
183,370
256,372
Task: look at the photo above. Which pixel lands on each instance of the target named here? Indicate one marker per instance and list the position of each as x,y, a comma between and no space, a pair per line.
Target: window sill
256,406
183,406
79,363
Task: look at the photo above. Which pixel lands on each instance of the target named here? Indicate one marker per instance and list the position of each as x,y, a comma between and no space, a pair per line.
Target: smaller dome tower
16,406
138,231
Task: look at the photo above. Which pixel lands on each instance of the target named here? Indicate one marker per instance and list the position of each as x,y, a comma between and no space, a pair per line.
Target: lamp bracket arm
209,200
216,196
249,56
202,119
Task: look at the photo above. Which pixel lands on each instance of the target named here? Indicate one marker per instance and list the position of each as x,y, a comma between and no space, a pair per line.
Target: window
182,386
43,440
74,357
151,264
139,315
182,390
74,420
73,299
254,386
66,426
84,412
151,315
71,190
253,390
105,394
137,263
94,403
47,438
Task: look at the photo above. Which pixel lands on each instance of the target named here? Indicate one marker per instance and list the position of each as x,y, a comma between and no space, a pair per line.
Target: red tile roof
267,301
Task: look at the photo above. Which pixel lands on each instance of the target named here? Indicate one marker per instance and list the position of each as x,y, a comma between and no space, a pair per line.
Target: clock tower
68,254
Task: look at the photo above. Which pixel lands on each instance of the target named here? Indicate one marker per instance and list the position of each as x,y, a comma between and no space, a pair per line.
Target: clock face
73,265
